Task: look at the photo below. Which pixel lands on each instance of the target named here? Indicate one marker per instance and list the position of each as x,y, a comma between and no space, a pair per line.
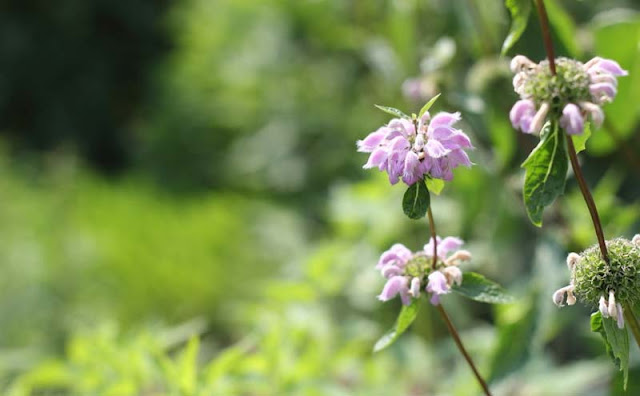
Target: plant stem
452,330
588,198
546,35
573,156
456,338
631,319
432,228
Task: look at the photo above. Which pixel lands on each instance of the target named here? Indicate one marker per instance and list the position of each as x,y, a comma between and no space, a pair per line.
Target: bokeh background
182,210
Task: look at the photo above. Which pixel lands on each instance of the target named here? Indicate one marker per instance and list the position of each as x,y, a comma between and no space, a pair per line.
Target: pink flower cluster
589,86
406,272
412,150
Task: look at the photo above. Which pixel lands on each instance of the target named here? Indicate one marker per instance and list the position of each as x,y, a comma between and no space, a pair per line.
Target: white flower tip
571,299
518,62
636,240
572,260
613,307
558,297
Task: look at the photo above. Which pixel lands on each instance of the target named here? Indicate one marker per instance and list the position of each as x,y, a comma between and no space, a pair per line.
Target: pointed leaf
407,315
435,185
427,106
580,141
519,10
393,112
546,172
476,287
616,341
416,200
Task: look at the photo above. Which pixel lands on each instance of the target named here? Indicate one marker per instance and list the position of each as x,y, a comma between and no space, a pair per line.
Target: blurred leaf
580,141
476,287
407,315
616,341
517,325
546,172
435,185
564,27
503,137
188,367
520,10
416,200
428,105
393,112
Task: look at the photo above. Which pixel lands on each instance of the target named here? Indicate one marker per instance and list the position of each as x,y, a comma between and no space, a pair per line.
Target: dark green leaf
416,200
580,141
427,106
479,288
519,10
616,341
407,315
435,185
393,112
546,172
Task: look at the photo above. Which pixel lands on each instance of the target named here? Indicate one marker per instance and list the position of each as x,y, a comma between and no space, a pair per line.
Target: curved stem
434,238
445,317
588,198
631,319
456,338
573,156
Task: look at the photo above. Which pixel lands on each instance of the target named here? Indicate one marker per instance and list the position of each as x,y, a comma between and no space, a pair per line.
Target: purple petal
457,140
459,157
437,283
372,140
521,109
611,66
435,299
444,119
411,173
435,149
390,270
449,244
571,120
447,174
603,89
441,132
398,255
377,157
393,286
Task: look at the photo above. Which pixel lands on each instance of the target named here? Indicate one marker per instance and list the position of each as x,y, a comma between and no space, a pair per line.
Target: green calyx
420,266
569,85
594,278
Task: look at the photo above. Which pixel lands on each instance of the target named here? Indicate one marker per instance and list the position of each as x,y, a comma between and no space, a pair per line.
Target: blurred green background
183,211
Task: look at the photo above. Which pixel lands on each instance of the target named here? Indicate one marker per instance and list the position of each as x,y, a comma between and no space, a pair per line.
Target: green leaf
416,200
616,341
393,111
427,106
406,316
546,172
580,141
476,287
435,185
520,10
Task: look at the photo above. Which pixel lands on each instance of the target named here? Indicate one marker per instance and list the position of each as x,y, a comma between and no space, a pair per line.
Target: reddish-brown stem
588,198
573,156
456,338
546,35
445,317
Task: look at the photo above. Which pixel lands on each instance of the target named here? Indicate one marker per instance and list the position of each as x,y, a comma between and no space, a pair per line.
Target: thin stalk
573,156
452,330
632,321
456,338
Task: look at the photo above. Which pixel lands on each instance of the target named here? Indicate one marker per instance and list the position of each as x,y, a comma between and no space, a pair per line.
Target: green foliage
616,341
393,111
406,316
416,200
477,287
546,172
519,10
428,105
580,141
434,185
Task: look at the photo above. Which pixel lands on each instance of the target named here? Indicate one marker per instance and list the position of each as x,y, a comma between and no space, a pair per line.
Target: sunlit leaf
519,10
428,105
435,185
407,315
546,172
580,141
416,200
616,341
393,112
476,287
